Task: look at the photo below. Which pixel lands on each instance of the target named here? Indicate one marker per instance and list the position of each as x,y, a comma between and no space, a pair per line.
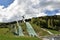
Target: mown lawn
5,34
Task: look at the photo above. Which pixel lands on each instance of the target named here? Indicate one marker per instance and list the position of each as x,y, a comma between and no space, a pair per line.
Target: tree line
51,22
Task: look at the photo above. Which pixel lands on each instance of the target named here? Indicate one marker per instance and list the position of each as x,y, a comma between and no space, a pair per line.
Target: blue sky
53,12
6,3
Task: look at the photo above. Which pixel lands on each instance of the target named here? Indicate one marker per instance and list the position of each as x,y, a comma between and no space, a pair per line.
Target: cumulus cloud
28,9
58,14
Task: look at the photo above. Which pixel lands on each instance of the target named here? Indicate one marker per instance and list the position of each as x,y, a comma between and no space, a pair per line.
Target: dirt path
47,31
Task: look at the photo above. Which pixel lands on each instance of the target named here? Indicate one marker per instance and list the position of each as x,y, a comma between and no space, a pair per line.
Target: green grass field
17,38
39,31
54,31
5,34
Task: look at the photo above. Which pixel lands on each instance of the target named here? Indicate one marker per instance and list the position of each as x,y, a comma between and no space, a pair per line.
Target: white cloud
28,8
57,13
